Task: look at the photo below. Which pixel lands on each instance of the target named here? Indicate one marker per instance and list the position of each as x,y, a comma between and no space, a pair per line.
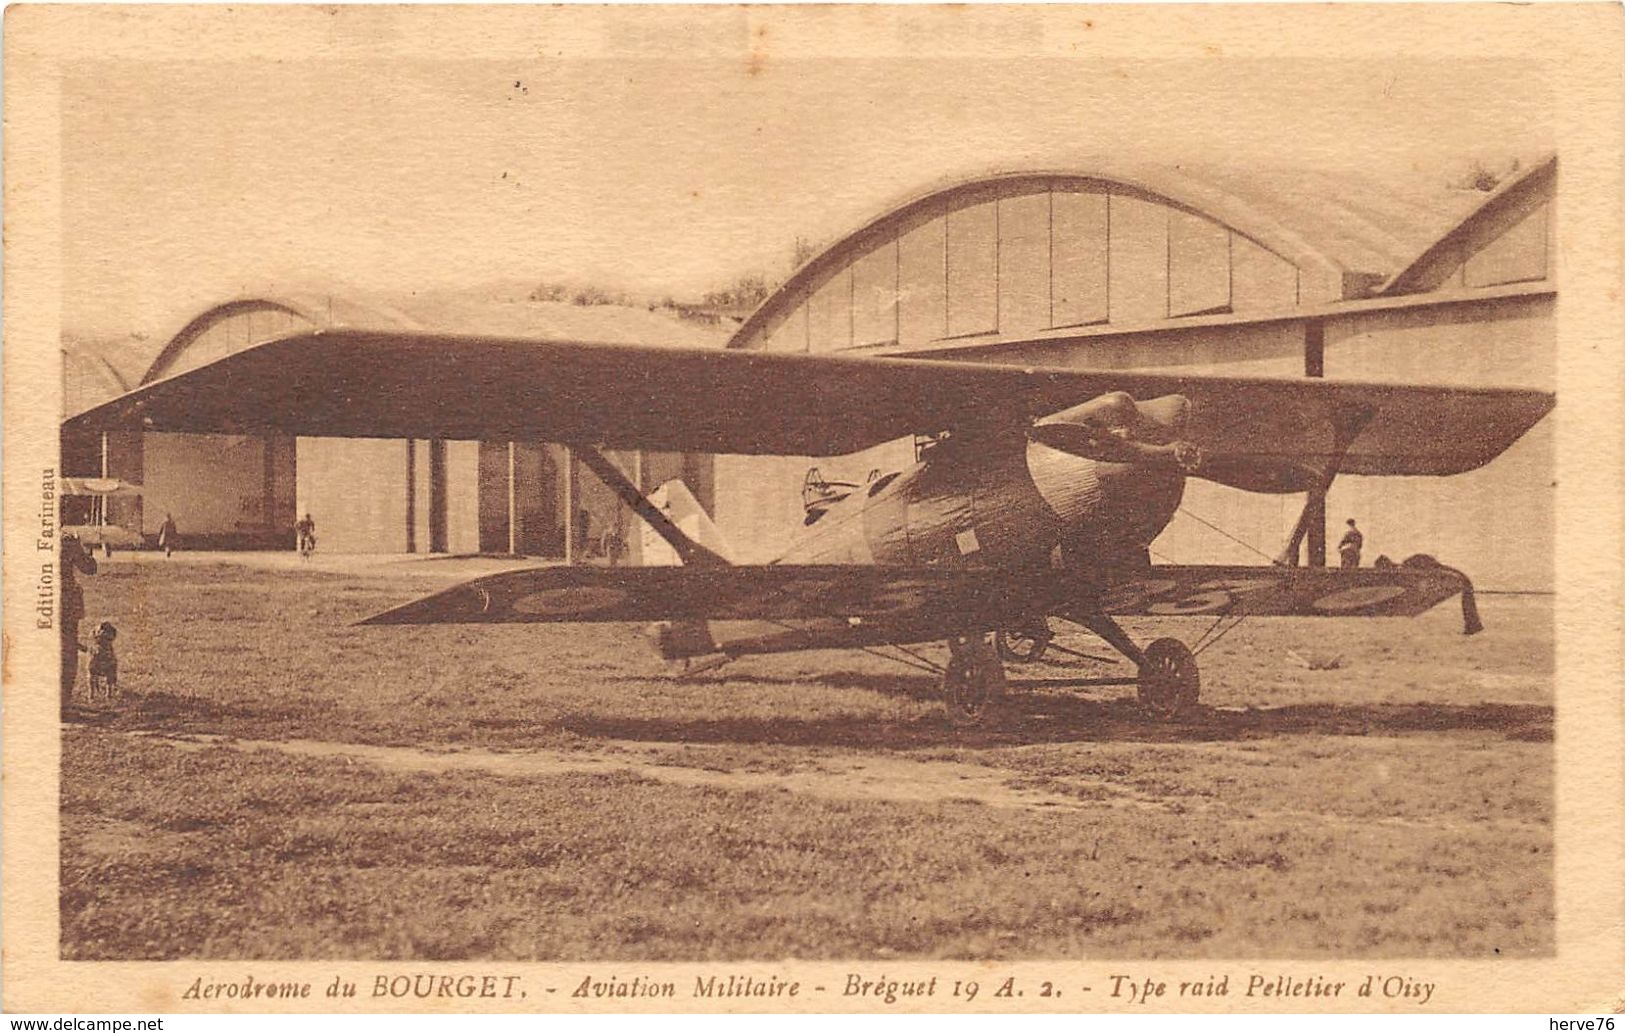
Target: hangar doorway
603,526
224,491
522,498
532,496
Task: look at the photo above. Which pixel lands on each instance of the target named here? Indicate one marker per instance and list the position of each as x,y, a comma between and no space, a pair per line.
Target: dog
103,663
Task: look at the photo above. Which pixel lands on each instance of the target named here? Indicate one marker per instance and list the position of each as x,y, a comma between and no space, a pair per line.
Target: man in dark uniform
75,561
305,531
168,536
1349,548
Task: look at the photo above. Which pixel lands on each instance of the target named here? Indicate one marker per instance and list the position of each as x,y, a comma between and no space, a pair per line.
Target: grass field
278,783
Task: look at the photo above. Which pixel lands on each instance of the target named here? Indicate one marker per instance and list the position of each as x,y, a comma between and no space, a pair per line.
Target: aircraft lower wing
1195,591
947,599
955,598
1263,434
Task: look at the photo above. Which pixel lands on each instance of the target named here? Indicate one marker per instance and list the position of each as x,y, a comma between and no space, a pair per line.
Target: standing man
75,561
1349,548
306,531
167,535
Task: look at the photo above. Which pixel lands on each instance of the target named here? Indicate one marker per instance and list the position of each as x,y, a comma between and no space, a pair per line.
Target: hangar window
1078,258
1260,280
241,329
1198,265
790,335
1138,232
973,270
829,314
1024,302
874,296
1516,256
921,283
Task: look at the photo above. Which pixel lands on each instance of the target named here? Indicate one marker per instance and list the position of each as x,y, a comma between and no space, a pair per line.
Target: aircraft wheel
1169,681
1024,645
973,680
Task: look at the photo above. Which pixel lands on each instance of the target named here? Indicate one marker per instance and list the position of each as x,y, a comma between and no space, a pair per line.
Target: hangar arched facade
1249,274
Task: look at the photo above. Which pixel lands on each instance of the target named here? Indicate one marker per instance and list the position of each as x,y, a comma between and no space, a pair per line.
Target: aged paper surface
277,810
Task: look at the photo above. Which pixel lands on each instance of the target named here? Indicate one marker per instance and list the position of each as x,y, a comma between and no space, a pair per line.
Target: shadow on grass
1020,718
169,712
907,686
1026,719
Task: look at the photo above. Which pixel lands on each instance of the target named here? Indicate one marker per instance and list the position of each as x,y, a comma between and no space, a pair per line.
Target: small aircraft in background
1037,498
97,531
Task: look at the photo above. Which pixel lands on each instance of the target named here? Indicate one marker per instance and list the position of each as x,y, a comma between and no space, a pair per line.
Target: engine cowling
1008,504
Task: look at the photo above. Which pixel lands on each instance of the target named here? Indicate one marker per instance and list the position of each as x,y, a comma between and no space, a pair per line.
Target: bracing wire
1244,544
1208,638
1211,628
927,661
1202,647
918,663
924,665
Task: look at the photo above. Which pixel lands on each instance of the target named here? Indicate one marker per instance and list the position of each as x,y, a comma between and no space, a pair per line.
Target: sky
188,182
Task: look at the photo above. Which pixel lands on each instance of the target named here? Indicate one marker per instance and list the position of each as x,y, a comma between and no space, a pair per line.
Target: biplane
1036,499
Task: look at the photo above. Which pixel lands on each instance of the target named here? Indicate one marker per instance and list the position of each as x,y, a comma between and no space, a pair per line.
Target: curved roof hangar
1001,256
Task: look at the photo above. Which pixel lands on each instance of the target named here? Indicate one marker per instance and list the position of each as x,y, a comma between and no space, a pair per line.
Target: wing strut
1346,426
692,553
1102,624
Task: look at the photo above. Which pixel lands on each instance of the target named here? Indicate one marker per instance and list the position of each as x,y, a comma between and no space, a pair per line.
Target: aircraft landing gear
1169,680
1024,645
973,680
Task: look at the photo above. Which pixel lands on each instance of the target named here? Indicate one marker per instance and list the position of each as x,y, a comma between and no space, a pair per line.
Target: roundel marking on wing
900,597
561,602
1211,596
807,590
1131,594
1358,598
1213,600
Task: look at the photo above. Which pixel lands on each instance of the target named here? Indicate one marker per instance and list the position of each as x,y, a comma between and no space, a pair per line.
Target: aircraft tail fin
679,504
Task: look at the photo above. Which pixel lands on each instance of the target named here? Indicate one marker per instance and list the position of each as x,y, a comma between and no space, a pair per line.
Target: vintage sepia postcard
813,509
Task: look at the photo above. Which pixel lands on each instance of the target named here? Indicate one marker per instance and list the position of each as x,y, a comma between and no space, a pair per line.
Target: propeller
1115,428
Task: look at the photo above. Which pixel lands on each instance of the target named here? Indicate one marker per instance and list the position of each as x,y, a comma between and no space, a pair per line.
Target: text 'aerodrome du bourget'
871,990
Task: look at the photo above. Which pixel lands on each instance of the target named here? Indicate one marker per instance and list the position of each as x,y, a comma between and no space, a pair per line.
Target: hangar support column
411,495
1314,365
513,501
437,495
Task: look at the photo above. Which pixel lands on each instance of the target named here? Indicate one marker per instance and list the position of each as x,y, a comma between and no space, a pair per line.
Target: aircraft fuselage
1003,504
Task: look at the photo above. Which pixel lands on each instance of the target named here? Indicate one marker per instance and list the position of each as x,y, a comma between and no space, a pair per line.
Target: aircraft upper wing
358,383
102,486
